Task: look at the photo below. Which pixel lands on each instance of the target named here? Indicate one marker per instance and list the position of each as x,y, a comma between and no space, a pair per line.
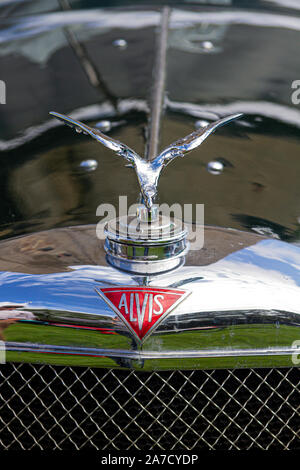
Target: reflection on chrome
279,112
148,173
246,303
99,20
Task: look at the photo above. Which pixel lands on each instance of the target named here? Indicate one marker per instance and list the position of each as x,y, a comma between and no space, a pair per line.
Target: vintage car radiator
149,333
50,407
220,372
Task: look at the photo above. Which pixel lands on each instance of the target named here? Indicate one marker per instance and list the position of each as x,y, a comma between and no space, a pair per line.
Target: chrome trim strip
137,355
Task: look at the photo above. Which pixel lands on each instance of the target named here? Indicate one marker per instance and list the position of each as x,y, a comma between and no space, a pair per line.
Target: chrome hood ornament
147,242
148,172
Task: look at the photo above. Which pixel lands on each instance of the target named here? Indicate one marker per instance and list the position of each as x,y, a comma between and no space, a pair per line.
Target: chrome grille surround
54,407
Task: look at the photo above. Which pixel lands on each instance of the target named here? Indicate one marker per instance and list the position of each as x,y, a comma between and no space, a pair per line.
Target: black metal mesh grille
49,407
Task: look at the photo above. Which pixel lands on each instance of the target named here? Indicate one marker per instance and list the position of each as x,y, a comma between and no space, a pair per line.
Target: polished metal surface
148,173
244,294
146,247
259,189
243,308
146,75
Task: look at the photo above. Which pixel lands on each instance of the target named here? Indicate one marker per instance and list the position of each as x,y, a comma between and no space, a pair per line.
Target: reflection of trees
10,315
51,190
264,227
52,251
3,325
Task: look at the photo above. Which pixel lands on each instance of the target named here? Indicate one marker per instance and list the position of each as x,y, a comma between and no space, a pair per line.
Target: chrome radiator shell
243,310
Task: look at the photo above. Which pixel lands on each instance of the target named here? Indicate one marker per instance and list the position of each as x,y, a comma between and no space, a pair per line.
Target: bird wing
112,144
190,142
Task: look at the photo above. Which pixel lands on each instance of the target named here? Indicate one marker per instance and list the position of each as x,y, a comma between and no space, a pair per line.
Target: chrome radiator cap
147,243
142,247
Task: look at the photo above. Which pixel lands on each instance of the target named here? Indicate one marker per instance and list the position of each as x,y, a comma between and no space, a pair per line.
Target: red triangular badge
142,309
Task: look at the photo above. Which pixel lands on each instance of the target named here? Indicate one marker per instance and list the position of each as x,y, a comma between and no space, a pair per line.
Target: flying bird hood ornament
148,242
148,172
